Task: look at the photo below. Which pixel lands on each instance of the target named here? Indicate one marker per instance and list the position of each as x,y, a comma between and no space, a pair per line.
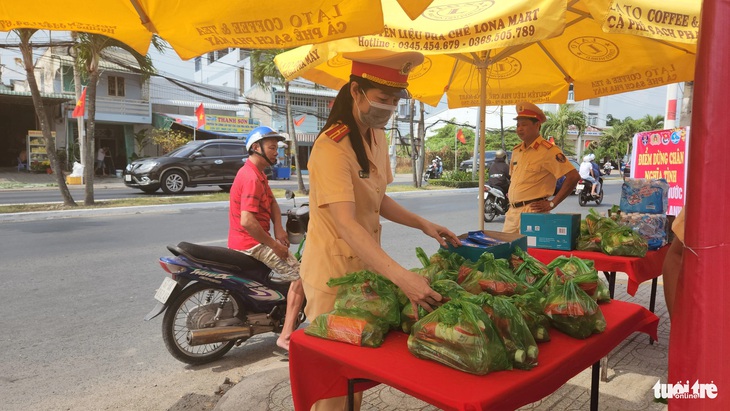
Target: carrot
346,329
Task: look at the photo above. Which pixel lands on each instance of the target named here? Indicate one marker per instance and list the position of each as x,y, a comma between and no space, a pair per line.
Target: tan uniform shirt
535,169
678,226
334,176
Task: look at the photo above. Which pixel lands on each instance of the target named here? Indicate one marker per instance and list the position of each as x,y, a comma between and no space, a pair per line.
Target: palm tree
45,122
263,68
89,52
557,123
649,122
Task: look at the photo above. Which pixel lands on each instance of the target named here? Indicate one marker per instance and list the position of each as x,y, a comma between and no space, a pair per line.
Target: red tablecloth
320,368
639,269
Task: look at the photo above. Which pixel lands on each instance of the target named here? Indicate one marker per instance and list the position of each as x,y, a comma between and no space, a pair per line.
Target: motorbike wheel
425,176
599,199
181,316
582,199
489,211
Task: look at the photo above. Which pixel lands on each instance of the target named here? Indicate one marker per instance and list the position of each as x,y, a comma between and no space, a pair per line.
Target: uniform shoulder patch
561,158
547,144
516,147
337,132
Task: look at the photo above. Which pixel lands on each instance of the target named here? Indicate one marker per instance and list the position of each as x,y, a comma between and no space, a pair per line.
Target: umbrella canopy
530,50
194,27
499,53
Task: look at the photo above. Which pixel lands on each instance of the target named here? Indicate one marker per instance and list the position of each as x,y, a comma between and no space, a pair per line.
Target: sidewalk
633,369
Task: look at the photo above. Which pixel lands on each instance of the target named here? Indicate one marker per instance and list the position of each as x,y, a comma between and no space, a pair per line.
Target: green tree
90,50
557,123
26,50
616,141
264,69
649,122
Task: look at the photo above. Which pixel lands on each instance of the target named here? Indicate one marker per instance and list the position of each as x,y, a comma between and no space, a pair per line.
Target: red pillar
699,346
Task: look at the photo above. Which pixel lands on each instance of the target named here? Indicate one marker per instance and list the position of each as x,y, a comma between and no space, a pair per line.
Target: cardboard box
73,180
552,231
511,241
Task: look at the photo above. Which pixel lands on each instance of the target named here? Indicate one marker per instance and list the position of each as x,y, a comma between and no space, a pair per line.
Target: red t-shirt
250,192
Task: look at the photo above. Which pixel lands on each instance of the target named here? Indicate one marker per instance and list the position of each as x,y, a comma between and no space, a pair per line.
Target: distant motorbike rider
499,172
596,172
586,173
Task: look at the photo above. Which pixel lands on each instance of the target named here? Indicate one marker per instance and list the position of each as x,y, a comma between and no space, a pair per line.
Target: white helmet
586,158
591,157
260,133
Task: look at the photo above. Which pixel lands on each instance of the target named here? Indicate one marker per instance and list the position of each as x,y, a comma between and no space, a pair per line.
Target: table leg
611,278
652,301
594,385
604,369
351,391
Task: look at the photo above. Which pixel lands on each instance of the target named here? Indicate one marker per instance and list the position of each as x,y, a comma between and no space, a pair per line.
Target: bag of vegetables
573,312
622,240
494,277
459,335
576,269
352,326
532,306
531,270
511,328
448,289
369,292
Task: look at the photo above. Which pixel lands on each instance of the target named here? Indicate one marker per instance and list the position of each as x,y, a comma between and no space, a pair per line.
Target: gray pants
287,270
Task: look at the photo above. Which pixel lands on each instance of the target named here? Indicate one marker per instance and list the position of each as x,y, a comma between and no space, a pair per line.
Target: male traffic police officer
535,168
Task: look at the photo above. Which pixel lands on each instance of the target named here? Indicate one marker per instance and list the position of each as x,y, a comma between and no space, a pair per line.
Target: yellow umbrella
522,50
195,27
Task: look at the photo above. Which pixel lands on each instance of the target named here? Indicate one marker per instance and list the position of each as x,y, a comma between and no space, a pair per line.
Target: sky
635,104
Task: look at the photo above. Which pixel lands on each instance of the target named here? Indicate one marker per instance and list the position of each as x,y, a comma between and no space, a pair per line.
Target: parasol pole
482,137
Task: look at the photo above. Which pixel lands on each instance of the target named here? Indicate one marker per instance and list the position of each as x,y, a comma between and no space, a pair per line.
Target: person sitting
586,171
596,173
499,172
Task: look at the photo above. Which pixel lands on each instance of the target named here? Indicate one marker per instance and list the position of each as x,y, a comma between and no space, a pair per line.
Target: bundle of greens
352,326
443,259
512,329
622,240
370,292
448,289
531,306
595,228
494,276
460,335
576,269
573,312
531,270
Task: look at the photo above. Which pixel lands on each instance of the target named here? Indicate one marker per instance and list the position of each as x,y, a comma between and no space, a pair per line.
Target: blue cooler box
552,231
504,250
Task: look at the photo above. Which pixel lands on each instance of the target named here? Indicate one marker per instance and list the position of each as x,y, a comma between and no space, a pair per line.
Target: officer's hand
441,234
417,290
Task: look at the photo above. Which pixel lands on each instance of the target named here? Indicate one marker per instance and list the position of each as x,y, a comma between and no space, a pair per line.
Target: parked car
627,170
559,184
489,157
201,162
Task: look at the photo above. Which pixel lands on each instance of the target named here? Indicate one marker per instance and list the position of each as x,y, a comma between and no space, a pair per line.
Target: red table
321,368
639,269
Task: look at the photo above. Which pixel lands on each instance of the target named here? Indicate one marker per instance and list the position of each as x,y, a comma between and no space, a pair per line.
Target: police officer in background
535,168
499,172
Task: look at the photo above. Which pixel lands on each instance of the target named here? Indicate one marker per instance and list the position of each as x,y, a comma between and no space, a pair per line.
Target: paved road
75,291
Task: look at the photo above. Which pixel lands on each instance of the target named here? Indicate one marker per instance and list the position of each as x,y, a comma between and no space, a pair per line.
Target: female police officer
348,171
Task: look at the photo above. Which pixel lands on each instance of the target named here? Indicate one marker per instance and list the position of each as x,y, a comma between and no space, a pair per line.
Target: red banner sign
663,154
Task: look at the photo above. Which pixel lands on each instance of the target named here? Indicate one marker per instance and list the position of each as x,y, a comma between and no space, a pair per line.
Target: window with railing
305,105
198,63
116,86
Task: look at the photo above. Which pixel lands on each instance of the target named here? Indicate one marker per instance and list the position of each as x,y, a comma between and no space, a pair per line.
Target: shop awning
166,121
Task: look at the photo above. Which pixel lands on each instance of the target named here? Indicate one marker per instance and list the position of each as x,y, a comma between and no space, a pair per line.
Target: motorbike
607,168
583,190
495,203
434,169
215,298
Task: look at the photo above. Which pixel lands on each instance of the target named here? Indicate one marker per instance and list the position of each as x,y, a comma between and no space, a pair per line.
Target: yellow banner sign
229,124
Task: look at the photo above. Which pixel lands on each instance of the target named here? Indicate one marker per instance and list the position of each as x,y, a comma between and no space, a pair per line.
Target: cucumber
541,333
520,356
532,351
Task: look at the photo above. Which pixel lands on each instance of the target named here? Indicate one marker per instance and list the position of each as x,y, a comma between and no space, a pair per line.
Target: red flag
460,136
200,114
80,105
551,140
300,121
588,143
330,104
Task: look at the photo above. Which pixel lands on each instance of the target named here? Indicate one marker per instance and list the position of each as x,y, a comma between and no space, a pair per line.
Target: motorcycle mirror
289,194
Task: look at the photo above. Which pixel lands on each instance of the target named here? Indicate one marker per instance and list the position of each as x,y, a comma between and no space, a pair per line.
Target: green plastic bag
531,270
512,329
494,277
448,289
532,306
370,292
459,335
354,326
573,312
623,240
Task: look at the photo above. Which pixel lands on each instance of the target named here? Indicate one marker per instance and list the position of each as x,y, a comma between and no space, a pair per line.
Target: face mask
378,115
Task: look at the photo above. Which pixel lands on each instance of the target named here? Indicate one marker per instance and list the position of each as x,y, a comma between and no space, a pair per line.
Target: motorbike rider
596,172
586,173
252,209
499,172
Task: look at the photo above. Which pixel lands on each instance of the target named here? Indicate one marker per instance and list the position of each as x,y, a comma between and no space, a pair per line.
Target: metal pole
482,130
